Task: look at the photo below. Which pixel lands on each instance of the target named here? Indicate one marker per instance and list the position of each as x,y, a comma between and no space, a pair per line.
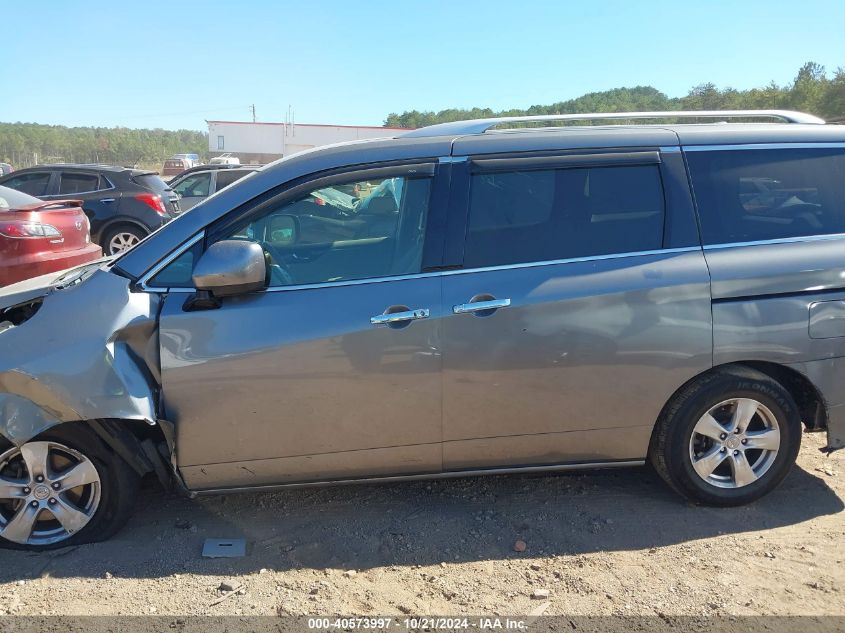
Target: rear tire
95,510
118,239
728,437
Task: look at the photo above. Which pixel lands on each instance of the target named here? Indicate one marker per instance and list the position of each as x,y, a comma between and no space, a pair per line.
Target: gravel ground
601,543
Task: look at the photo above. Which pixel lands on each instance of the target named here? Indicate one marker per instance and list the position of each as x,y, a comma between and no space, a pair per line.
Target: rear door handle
399,317
107,200
481,306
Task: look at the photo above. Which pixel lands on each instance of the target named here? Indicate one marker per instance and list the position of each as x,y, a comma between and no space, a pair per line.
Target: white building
265,142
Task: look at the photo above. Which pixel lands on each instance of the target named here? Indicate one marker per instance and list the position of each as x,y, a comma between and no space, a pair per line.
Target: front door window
354,230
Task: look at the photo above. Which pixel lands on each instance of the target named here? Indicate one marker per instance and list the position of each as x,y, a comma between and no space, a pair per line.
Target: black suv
124,205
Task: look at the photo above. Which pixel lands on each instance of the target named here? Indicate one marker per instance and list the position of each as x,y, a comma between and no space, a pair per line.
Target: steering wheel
279,274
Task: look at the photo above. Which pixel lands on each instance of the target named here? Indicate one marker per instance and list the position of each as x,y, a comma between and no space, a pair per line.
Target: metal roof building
265,142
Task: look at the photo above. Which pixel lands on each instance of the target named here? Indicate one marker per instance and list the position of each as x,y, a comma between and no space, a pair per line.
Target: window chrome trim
465,271
61,173
436,273
152,272
713,148
782,240
576,260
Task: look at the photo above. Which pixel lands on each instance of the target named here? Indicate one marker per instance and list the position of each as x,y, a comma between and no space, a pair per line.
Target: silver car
459,300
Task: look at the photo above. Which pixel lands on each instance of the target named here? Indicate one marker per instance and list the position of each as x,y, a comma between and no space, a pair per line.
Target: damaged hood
38,287
80,345
24,291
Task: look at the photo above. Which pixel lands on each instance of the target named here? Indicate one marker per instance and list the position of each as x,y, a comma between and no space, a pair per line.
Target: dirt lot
601,543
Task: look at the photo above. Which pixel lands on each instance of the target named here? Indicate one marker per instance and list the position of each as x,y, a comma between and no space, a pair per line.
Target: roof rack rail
479,126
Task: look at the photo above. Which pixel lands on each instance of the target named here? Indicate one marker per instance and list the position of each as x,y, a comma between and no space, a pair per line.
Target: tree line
24,144
811,91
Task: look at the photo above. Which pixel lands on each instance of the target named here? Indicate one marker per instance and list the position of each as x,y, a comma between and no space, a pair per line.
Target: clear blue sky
175,63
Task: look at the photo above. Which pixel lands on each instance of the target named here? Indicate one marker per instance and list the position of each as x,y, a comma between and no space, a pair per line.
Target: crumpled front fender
90,351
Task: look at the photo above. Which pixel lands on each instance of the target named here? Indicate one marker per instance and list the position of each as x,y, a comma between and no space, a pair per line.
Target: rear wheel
728,438
64,488
121,238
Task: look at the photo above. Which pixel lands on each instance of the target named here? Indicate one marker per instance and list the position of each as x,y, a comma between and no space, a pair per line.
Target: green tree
811,91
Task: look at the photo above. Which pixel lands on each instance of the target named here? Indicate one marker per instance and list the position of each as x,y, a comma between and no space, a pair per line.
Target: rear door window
34,183
767,194
532,216
71,183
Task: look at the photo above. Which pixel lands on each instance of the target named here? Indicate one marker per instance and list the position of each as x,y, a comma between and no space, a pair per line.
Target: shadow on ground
425,523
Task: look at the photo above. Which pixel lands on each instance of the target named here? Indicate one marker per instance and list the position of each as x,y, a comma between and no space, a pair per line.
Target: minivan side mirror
231,267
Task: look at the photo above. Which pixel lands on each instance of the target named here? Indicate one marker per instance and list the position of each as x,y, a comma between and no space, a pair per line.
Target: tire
125,234
105,504
685,443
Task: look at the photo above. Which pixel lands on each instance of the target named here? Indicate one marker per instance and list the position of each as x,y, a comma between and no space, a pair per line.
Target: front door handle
400,317
481,306
107,200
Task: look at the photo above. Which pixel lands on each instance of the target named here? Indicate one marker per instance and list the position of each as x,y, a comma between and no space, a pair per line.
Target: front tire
728,437
65,487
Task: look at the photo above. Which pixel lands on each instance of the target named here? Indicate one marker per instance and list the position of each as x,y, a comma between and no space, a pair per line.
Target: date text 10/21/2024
417,623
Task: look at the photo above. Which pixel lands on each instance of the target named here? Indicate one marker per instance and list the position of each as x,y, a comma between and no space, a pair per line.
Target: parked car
194,159
175,166
196,184
123,205
5,168
225,159
39,237
505,301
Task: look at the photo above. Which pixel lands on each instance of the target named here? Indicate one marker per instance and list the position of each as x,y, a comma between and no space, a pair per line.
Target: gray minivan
458,300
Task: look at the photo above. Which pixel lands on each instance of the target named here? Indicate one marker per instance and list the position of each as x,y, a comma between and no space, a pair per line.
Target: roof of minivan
362,152
607,136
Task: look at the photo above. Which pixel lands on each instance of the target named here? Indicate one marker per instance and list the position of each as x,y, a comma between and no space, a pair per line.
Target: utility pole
252,107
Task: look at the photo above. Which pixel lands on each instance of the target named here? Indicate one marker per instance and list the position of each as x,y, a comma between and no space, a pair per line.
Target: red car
39,237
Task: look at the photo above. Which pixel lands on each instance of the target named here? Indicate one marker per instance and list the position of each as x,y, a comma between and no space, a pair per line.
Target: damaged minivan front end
76,347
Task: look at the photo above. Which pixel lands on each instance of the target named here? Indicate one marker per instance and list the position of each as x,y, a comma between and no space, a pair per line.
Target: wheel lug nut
724,450
52,502
56,485
26,491
40,478
736,452
744,440
34,504
723,436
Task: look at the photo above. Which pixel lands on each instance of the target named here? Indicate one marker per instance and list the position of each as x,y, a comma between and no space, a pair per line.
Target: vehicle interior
331,236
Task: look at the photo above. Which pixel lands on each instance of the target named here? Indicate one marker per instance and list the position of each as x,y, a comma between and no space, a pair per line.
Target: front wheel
727,438
65,487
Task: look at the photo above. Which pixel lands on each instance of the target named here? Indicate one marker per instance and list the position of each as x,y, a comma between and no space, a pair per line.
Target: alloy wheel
122,241
734,443
48,493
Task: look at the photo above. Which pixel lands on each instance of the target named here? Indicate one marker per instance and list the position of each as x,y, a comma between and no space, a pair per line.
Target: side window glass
178,273
35,184
71,183
757,195
352,230
531,216
195,185
226,177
